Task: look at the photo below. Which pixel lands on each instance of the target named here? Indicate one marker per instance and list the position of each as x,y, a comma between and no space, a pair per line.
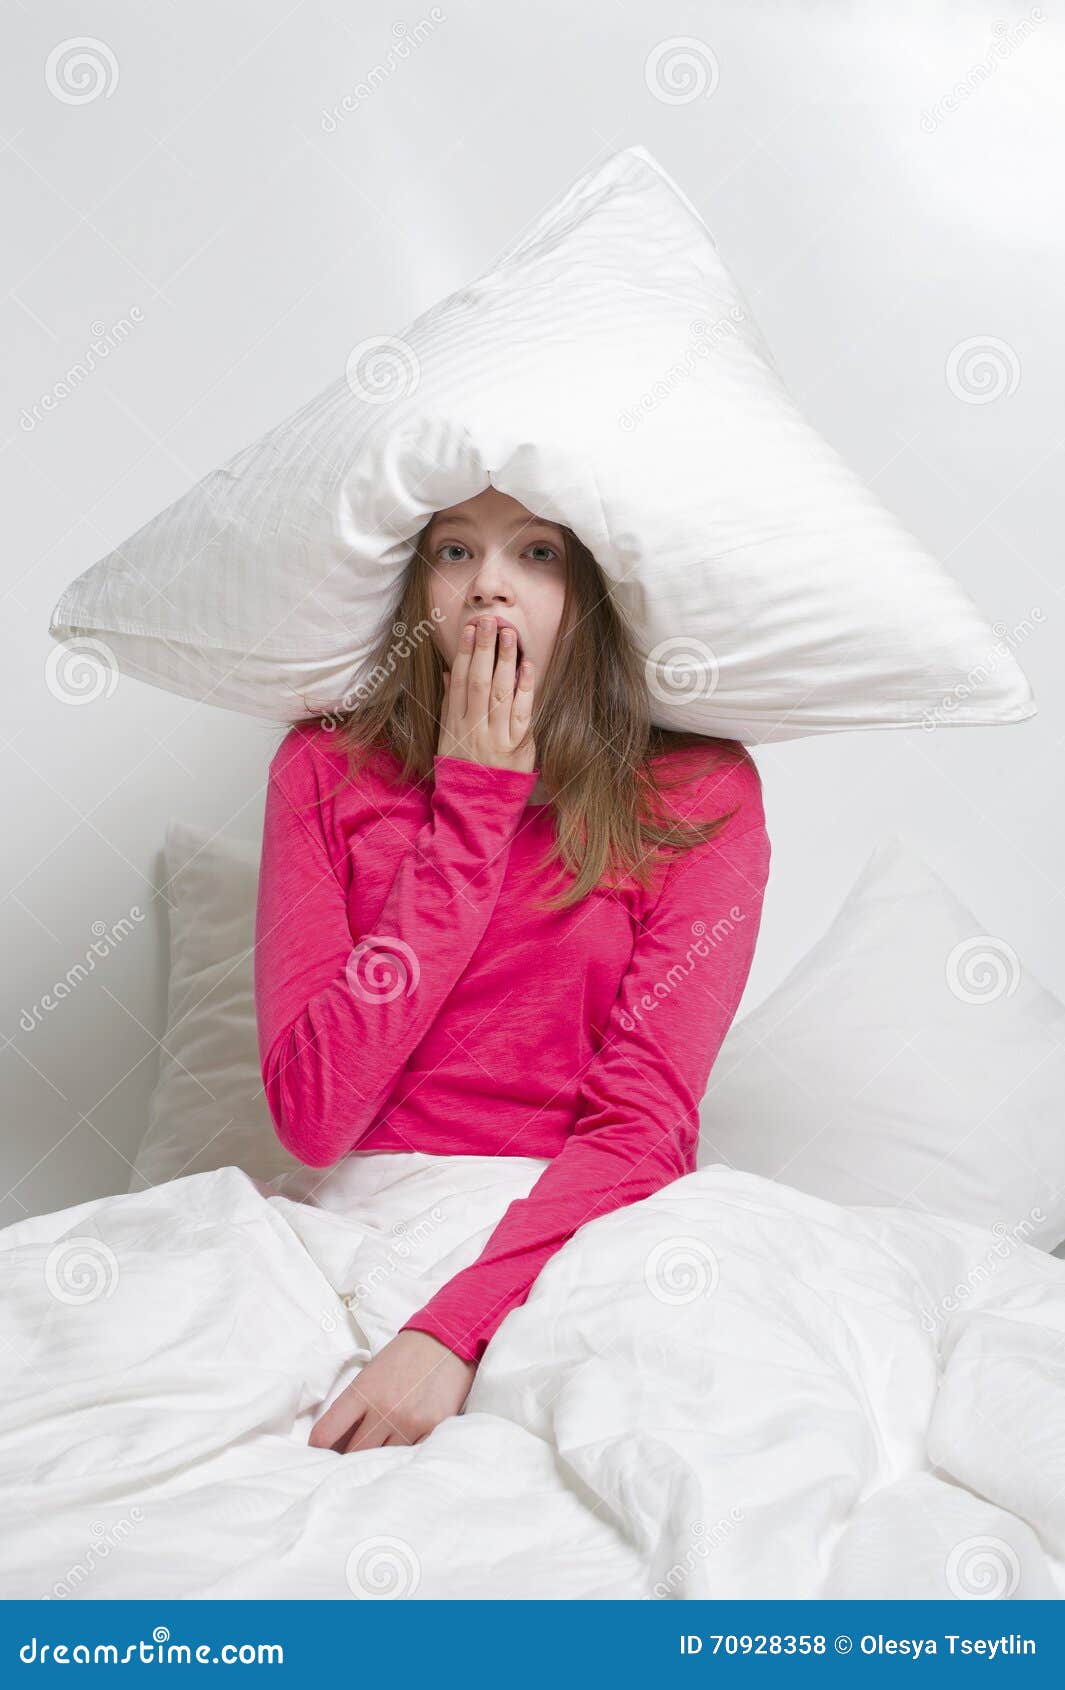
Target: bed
741,1387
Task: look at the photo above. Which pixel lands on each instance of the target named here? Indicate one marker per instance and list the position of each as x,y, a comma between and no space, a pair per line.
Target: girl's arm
337,1020
638,1126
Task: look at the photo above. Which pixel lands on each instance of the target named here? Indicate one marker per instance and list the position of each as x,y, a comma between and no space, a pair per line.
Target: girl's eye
450,547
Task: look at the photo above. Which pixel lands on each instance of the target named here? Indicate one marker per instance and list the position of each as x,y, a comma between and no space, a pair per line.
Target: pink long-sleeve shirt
410,997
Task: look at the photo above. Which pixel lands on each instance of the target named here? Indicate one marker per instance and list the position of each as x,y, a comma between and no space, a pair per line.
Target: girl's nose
486,590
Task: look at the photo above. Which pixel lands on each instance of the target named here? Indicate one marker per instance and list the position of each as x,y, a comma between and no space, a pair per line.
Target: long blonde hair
596,747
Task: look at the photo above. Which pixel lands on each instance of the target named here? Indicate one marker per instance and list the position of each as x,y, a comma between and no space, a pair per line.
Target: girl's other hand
487,706
411,1384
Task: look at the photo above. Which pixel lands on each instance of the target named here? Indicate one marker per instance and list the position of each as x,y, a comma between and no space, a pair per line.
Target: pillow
896,1041
208,1108
907,1060
607,373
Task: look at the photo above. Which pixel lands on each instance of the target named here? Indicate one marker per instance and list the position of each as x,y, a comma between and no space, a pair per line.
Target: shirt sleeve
337,1013
638,1121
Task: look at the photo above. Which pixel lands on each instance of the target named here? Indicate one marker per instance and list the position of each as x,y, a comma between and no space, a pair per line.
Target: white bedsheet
732,1389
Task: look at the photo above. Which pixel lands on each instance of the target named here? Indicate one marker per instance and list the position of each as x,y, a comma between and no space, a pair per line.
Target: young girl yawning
500,913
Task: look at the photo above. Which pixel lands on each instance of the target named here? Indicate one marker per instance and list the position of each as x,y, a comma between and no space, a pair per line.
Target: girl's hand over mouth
487,706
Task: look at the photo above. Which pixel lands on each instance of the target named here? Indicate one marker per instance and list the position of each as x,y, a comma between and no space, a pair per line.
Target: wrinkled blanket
731,1389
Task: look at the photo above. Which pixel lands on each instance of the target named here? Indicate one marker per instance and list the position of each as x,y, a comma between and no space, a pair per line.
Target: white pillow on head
607,374
908,1060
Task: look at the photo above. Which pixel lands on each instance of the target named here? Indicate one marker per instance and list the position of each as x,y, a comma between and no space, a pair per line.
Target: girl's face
490,554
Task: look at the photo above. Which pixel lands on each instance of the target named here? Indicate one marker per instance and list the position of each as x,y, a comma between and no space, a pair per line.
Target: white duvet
731,1389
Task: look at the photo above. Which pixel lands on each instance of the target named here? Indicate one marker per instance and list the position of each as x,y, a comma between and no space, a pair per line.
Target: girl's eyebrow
521,522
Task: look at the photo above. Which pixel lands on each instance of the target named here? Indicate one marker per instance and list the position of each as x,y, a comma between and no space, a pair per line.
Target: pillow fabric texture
608,374
208,1109
909,1059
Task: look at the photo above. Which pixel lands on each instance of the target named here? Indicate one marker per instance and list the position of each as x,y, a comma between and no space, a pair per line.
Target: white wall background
885,185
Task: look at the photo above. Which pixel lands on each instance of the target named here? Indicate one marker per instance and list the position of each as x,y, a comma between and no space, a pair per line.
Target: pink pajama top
410,997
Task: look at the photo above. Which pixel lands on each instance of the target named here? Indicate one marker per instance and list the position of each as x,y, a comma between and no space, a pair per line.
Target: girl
415,988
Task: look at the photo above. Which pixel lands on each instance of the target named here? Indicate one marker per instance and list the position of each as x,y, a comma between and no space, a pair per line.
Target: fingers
521,705
482,664
377,1431
502,693
367,1435
335,1425
463,687
351,1424
473,659
461,667
487,704
489,669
